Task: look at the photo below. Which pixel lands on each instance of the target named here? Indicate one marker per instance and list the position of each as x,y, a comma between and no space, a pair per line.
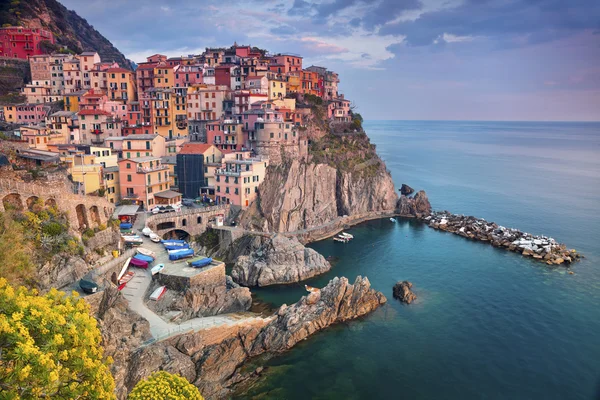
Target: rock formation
417,206
212,359
406,190
403,293
279,260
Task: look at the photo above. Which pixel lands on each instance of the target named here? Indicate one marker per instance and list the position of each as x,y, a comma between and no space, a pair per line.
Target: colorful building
226,134
290,62
97,125
111,184
136,146
205,102
20,42
121,85
238,179
188,75
140,179
339,110
28,114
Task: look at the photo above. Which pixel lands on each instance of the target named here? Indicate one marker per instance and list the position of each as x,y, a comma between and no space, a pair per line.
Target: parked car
188,202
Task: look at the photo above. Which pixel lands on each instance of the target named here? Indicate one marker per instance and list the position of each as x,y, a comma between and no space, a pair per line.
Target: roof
255,78
142,159
39,155
168,194
119,69
148,65
125,210
134,137
88,53
63,114
93,112
194,148
112,169
77,93
168,160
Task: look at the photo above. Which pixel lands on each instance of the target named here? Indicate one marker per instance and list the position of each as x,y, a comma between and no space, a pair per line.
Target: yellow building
10,113
168,112
277,88
111,182
104,156
164,77
121,85
285,103
72,100
294,82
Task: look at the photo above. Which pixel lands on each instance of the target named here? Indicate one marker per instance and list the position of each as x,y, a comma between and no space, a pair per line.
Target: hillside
69,28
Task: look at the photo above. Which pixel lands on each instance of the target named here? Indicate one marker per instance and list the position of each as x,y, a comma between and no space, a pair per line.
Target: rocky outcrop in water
417,206
279,260
541,248
403,293
212,359
406,190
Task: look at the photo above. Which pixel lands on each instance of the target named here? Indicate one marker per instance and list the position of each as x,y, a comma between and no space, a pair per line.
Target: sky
397,59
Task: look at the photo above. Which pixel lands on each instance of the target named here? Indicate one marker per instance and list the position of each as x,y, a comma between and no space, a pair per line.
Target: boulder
403,293
406,190
417,206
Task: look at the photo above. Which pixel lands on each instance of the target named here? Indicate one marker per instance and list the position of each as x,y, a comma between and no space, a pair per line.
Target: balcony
131,196
97,131
224,172
144,170
97,140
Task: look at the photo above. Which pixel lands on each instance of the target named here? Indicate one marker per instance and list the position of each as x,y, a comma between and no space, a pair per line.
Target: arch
106,213
50,203
82,216
184,222
32,204
165,225
199,220
95,216
177,234
13,201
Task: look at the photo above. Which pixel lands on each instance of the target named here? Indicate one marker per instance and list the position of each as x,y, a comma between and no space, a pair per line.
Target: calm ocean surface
488,324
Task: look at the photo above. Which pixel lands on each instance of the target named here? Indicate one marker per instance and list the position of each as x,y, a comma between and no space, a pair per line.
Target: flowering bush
164,386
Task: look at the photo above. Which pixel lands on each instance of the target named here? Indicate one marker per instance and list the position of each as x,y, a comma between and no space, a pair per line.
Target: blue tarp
177,246
201,263
172,241
181,254
125,225
142,257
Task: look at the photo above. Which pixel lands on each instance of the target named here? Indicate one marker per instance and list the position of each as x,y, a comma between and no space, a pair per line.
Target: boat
311,289
88,287
201,262
146,252
126,278
143,257
147,231
171,247
154,237
139,263
125,225
180,254
132,239
124,269
158,293
173,241
393,219
339,239
346,235
157,268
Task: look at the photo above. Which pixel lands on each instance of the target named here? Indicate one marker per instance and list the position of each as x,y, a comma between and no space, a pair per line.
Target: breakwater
539,247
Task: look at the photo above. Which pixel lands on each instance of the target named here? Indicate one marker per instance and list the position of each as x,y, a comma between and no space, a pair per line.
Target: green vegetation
50,347
350,153
209,239
163,385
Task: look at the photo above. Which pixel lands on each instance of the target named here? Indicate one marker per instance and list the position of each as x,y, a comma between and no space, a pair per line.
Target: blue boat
201,263
142,257
179,254
177,246
125,225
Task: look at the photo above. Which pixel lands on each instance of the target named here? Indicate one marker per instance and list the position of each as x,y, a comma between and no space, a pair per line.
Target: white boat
156,269
158,293
177,251
339,239
346,235
393,219
124,269
146,252
133,239
155,238
147,231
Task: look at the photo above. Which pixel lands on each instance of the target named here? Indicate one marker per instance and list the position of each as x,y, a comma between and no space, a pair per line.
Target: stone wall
213,276
194,221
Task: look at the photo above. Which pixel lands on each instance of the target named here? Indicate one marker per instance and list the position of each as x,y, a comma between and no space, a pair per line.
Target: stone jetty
541,248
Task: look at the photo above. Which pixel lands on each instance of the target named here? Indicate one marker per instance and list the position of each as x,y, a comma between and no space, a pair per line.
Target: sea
488,323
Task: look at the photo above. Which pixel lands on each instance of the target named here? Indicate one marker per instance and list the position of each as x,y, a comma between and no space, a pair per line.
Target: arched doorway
82,217
165,225
13,202
94,216
177,234
50,203
33,204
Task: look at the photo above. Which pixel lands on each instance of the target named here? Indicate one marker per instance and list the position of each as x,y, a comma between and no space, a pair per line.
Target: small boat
171,247
132,239
158,293
393,219
341,240
124,268
311,289
157,268
154,237
143,257
200,262
147,231
126,278
146,252
88,287
125,225
173,241
346,235
180,254
138,263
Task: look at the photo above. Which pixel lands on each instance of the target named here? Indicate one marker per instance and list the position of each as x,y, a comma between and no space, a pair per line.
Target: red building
132,122
19,42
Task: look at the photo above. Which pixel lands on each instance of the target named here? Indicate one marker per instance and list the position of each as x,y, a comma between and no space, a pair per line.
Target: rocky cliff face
417,206
279,260
212,359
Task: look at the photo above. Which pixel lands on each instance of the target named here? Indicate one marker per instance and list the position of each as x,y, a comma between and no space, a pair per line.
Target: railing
131,196
152,169
221,171
193,211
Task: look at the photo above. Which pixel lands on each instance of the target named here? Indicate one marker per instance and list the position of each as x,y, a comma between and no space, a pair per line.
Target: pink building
290,62
29,114
143,179
188,75
97,125
243,99
238,179
339,110
135,146
226,134
132,122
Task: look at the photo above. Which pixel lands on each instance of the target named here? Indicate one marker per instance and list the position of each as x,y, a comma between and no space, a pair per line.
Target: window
184,222
147,145
128,164
149,189
272,135
128,178
128,156
218,188
199,220
138,154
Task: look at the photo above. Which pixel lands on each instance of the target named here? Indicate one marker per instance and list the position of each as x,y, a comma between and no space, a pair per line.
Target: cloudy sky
398,59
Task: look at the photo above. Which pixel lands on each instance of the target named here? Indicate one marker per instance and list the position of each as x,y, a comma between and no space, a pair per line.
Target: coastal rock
403,293
279,260
417,206
61,271
406,190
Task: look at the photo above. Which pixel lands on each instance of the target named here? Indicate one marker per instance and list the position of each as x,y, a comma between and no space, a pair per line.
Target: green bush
52,228
88,233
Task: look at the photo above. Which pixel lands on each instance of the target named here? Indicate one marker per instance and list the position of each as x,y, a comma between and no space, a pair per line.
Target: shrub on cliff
15,251
163,385
50,347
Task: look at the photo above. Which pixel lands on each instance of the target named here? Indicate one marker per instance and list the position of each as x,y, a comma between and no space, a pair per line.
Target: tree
164,386
50,347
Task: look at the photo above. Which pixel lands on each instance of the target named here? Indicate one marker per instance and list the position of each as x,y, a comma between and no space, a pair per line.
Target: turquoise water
488,324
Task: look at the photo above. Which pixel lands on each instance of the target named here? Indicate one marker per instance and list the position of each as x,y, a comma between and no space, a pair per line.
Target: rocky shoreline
541,248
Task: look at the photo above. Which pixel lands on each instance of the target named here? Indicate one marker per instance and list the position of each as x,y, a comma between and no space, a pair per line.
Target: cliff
213,359
344,176
68,28
279,260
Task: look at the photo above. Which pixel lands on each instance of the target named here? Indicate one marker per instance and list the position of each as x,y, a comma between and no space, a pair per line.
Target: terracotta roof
147,65
93,112
194,148
119,69
253,78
